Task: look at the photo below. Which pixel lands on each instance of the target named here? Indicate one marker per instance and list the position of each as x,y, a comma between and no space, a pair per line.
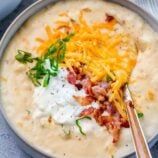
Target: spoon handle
140,143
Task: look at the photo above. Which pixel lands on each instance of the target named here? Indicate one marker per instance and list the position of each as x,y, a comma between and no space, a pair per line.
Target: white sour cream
57,101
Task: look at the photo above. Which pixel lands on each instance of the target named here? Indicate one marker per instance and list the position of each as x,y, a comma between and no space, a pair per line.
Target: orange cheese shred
105,49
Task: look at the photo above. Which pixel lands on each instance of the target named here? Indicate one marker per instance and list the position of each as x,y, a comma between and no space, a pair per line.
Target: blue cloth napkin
7,6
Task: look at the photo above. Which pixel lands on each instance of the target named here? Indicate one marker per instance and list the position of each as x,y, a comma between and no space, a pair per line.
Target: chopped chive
46,80
79,126
47,65
140,115
24,57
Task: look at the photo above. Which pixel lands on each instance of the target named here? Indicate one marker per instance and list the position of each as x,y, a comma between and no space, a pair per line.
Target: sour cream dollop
57,101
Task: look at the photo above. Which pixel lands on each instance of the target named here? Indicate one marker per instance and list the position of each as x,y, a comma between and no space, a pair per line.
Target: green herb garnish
140,115
24,57
46,80
47,65
79,126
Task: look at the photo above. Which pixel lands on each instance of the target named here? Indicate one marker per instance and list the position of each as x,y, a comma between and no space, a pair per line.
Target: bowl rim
31,11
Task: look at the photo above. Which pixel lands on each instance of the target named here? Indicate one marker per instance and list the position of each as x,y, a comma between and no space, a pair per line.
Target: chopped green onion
67,39
33,78
47,65
24,57
46,80
140,115
52,49
79,126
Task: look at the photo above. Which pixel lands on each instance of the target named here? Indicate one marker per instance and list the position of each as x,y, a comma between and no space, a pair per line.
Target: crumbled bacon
87,112
110,108
100,91
106,115
104,120
84,100
109,18
115,131
124,123
71,78
78,86
87,85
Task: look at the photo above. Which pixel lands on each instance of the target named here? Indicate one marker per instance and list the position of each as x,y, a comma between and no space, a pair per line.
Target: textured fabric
8,146
149,5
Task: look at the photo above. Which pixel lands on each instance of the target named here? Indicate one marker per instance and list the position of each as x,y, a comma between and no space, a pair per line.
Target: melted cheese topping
105,50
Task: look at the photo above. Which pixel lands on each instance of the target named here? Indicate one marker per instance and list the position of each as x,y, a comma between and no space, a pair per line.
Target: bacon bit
109,18
87,85
102,108
110,108
76,70
84,100
104,120
77,78
116,134
78,86
96,114
124,123
71,78
113,121
87,112
79,75
101,98
100,91
114,128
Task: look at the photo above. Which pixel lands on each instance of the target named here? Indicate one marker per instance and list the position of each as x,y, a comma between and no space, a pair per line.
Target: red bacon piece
98,92
87,112
71,78
124,123
87,85
109,18
84,100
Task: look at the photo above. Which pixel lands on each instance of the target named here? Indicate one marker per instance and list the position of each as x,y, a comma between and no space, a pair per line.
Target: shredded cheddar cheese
104,48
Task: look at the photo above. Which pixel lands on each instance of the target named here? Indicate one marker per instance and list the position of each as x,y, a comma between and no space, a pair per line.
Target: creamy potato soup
62,77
